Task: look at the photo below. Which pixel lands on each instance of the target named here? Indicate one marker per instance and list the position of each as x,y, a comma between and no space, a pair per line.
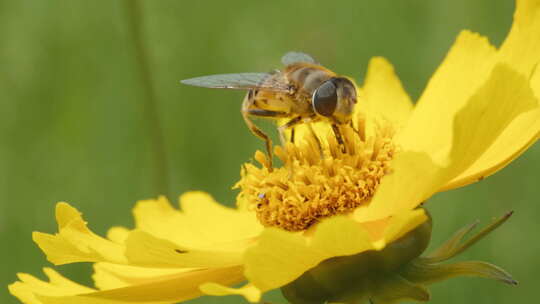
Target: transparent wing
294,57
241,81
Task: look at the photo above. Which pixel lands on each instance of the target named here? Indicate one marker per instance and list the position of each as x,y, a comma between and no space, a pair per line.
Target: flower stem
134,27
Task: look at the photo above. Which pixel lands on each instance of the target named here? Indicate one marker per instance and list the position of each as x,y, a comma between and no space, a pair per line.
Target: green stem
135,21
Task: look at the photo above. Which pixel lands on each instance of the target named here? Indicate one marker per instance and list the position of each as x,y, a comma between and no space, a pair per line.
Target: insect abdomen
279,103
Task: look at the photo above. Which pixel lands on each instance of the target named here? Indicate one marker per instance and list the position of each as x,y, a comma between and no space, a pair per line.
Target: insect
302,92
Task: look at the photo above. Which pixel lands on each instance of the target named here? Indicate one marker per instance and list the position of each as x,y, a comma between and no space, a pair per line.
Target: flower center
319,178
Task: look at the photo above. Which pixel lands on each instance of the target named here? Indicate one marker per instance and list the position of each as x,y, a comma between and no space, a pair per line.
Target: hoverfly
302,92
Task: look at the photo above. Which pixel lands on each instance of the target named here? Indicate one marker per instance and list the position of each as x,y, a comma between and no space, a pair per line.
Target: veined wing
294,57
241,81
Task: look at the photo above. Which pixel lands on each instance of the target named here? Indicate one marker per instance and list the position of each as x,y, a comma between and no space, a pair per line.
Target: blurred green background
77,123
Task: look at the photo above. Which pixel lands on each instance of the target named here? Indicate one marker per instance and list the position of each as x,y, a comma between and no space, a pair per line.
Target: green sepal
427,270
421,271
455,246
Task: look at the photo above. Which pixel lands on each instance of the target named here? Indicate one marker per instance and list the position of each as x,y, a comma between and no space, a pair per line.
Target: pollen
319,176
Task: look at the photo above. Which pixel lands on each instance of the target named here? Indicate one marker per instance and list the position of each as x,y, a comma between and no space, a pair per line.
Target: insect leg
270,114
339,138
266,113
317,140
357,131
290,124
259,133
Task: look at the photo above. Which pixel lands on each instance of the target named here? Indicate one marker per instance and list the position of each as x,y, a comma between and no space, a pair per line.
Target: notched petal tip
465,68
383,93
65,213
125,284
199,201
30,289
74,242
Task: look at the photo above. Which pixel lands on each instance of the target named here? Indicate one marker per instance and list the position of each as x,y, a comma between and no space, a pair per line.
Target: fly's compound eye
325,99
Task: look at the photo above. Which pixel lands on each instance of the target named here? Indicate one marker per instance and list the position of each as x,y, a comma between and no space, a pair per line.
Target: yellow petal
171,288
521,49
201,223
401,223
90,300
28,286
75,242
505,96
416,177
144,249
413,179
463,71
217,223
516,139
118,234
103,279
268,268
109,276
250,292
383,94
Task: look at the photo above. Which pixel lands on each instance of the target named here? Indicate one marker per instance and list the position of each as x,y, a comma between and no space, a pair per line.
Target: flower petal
250,292
521,49
516,139
201,223
144,249
109,276
505,96
401,223
28,286
383,94
415,176
162,289
74,242
268,268
192,237
217,223
466,67
118,234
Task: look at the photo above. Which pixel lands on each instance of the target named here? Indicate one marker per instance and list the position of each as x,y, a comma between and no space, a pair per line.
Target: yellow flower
175,255
327,203
163,260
